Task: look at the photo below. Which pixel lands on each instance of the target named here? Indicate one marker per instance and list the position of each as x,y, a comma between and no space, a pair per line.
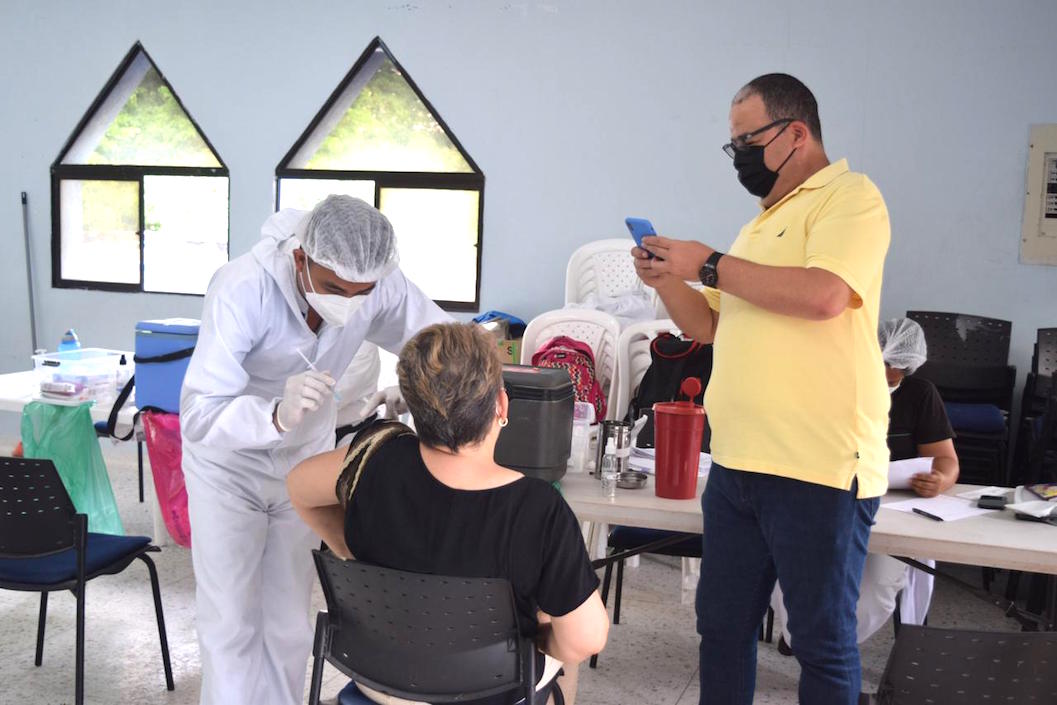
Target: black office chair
1033,401
430,638
1037,462
929,666
1042,465
45,546
968,361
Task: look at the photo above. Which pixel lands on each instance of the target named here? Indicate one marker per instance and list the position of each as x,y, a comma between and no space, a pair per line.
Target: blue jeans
813,539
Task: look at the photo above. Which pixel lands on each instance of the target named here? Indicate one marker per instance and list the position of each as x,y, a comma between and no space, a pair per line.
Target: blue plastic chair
45,546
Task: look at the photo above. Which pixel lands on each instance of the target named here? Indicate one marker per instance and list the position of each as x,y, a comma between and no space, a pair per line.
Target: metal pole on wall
29,270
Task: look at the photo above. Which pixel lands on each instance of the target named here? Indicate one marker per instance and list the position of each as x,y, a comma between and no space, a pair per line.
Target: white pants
253,573
883,577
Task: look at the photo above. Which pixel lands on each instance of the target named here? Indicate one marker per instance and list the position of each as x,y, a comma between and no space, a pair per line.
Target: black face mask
752,170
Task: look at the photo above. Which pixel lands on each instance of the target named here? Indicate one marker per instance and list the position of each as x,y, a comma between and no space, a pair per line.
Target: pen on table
923,513
312,367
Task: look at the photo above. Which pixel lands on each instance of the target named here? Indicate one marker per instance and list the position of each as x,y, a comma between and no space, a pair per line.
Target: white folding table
20,388
993,540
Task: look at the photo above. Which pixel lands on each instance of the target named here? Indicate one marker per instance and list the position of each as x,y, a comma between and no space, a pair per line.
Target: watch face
709,275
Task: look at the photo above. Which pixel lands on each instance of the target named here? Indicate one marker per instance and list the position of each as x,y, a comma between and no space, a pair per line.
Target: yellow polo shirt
806,399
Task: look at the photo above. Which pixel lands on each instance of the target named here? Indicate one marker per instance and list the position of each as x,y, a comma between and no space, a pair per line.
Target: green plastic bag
66,436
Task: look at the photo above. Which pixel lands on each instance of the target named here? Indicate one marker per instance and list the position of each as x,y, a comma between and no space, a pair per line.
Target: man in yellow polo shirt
797,400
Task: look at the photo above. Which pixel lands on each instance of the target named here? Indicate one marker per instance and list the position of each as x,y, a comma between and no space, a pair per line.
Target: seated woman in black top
438,502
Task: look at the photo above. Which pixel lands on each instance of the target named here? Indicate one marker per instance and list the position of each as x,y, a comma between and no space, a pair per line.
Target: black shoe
783,648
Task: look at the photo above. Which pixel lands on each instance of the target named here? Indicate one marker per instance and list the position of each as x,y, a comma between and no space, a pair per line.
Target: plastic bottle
583,417
124,373
69,341
608,473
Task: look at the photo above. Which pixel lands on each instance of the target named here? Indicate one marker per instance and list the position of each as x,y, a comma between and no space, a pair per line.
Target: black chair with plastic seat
45,546
930,666
1033,401
968,361
1042,450
425,638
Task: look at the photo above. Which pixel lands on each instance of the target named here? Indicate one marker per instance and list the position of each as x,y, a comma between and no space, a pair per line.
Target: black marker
923,513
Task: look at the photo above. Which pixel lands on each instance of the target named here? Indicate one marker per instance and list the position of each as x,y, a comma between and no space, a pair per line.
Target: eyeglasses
741,142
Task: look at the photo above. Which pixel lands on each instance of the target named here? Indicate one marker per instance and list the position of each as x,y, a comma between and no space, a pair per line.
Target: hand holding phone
640,228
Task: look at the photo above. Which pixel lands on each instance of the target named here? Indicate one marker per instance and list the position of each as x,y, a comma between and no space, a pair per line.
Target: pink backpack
578,360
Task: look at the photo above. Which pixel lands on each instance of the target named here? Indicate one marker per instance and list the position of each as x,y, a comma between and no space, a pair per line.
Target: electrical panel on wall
1038,243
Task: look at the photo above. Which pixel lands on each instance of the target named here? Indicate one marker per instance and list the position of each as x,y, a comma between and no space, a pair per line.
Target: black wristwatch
708,274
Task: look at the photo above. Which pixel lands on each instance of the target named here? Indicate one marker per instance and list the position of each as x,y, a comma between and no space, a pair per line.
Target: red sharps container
678,426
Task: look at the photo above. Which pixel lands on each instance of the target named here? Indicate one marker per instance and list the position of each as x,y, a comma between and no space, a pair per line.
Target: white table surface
995,540
19,388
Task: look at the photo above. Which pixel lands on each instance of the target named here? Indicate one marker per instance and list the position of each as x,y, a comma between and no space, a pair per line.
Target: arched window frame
468,181
110,172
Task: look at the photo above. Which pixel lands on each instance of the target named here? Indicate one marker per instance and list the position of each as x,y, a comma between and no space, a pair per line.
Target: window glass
99,221
436,233
185,234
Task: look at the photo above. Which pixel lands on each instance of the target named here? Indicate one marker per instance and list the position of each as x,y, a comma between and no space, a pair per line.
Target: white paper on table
981,491
1036,508
648,464
900,471
944,506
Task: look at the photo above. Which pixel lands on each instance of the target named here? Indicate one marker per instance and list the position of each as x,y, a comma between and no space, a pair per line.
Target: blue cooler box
163,351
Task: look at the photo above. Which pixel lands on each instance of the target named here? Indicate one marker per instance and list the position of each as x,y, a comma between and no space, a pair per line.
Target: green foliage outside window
110,209
152,129
387,128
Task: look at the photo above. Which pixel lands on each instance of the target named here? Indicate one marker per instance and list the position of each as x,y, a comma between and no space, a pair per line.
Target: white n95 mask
332,308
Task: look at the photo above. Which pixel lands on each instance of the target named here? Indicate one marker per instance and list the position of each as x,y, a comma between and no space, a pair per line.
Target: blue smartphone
640,228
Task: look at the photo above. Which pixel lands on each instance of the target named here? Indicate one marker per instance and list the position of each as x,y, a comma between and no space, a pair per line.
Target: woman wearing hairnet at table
279,325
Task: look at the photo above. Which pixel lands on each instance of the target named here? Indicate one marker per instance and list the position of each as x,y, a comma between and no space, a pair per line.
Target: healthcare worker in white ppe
279,326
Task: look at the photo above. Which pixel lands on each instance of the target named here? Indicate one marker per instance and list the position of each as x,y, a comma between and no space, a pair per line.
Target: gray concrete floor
651,657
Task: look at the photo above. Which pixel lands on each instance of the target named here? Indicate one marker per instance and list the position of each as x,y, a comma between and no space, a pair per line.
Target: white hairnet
347,235
902,344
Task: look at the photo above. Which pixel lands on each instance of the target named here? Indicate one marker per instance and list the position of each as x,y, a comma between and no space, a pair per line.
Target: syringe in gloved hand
312,367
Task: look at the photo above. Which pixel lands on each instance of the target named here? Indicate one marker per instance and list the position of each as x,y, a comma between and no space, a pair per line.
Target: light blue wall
579,113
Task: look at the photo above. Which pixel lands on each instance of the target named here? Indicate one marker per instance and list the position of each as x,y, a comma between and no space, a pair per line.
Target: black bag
126,392
673,359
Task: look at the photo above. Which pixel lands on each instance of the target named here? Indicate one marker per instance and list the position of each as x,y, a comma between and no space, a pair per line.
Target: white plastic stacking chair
601,267
662,312
598,329
633,359
633,356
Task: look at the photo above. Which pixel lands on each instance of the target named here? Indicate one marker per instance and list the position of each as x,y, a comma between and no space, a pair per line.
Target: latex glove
391,397
303,393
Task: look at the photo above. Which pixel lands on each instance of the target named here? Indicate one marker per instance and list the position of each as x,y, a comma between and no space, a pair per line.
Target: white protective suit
884,581
358,384
251,552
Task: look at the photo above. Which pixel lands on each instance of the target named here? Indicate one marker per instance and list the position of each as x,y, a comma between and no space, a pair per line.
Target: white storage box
88,374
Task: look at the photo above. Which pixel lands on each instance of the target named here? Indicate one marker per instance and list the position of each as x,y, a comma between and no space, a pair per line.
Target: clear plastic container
609,471
88,374
579,449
